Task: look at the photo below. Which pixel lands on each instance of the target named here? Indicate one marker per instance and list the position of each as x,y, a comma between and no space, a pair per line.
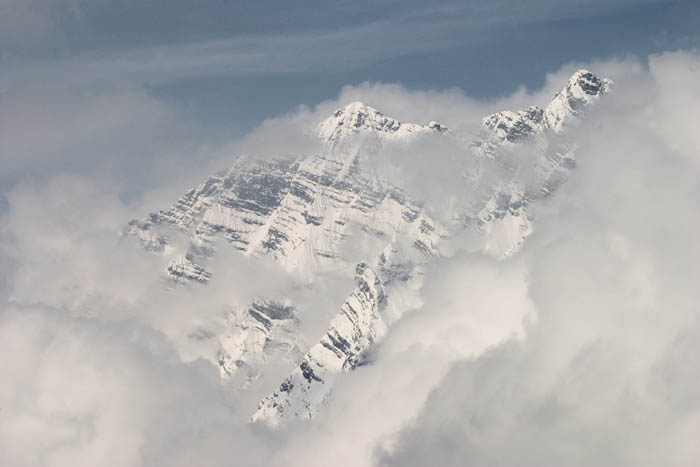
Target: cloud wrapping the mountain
84,391
607,374
577,351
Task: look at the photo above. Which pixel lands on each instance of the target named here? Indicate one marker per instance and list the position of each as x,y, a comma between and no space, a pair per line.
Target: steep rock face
513,126
357,119
254,335
296,210
300,211
583,89
354,329
181,269
532,160
381,295
508,127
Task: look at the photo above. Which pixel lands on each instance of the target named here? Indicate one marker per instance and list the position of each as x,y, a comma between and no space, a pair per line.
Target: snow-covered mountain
509,127
501,211
359,120
304,211
356,327
254,334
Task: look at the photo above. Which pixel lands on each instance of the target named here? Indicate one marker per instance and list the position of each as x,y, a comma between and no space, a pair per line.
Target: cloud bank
606,374
580,350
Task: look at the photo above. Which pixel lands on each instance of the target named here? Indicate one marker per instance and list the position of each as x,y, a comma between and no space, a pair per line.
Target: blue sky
233,63
135,88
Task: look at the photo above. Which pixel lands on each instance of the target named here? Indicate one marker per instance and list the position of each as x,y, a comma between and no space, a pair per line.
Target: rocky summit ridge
358,119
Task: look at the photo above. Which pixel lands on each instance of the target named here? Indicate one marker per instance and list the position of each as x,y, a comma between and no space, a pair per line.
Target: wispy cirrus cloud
336,38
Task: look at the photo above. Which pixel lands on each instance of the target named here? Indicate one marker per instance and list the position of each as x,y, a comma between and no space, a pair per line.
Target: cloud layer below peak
578,351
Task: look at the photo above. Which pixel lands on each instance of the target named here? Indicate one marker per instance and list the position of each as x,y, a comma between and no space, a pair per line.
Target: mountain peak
582,89
588,82
511,126
358,107
359,118
508,127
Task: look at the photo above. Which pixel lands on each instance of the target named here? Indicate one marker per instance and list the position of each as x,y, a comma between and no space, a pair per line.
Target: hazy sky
181,78
229,64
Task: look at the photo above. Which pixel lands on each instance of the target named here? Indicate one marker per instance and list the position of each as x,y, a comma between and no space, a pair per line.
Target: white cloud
604,376
89,392
470,303
96,363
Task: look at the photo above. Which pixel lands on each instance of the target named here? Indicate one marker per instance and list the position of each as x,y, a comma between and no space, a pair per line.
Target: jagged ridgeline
300,211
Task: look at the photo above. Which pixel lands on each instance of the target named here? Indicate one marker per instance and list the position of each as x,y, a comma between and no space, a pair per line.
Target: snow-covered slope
507,128
354,329
303,212
296,210
583,89
526,150
254,334
357,119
